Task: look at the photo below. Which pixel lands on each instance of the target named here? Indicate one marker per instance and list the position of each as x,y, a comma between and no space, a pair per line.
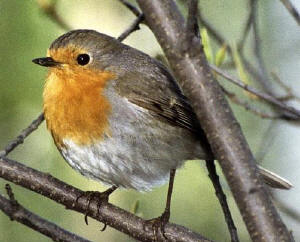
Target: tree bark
185,54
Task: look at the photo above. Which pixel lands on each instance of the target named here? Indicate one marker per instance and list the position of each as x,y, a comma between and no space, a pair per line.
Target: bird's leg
162,220
101,197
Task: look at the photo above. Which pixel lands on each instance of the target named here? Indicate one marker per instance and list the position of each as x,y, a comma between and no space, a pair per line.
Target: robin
118,116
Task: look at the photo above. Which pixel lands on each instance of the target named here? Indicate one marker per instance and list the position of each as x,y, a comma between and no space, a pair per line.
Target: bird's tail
274,180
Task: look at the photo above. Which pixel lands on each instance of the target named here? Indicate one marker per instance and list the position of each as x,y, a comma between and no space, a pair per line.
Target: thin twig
234,98
256,74
11,195
261,75
247,27
257,50
20,139
264,96
221,40
248,66
18,213
211,29
289,92
212,174
276,78
133,27
107,213
293,11
131,7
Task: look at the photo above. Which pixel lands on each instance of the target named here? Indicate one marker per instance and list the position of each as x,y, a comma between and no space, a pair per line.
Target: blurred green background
26,33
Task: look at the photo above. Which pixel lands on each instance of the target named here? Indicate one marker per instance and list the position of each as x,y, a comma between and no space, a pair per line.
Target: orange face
74,104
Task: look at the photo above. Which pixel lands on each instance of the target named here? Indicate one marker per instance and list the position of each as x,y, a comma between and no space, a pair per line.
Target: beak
45,61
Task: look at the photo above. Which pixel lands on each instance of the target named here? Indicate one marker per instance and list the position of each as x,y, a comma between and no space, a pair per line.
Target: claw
100,197
104,227
159,223
92,195
86,218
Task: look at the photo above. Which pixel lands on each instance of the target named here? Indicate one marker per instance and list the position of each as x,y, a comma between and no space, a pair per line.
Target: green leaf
221,55
206,45
135,207
241,70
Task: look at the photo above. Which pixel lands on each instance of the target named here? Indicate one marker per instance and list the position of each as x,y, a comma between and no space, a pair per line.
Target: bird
118,116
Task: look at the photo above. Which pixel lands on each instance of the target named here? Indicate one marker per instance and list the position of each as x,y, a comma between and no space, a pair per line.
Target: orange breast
74,105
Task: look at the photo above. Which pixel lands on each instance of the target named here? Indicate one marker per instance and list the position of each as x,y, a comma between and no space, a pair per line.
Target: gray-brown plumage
151,127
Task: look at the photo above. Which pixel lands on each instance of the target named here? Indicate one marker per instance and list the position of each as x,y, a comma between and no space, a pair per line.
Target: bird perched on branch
118,116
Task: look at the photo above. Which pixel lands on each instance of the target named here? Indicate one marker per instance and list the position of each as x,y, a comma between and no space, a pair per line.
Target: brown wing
149,84
168,109
154,88
158,92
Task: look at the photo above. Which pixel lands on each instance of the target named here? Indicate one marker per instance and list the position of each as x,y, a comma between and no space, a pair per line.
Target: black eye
83,59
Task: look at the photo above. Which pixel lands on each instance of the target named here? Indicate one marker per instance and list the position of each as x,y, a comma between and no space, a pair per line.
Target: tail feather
274,180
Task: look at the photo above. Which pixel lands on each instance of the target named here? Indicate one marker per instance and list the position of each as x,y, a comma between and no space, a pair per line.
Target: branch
295,113
188,61
192,31
288,90
20,139
133,27
18,213
247,25
235,99
261,75
257,50
213,32
131,7
109,214
212,174
292,10
248,66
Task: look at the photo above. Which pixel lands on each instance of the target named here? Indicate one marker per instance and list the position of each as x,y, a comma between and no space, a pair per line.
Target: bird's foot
158,224
99,197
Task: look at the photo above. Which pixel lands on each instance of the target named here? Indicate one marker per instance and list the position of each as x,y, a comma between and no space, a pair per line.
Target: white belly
138,154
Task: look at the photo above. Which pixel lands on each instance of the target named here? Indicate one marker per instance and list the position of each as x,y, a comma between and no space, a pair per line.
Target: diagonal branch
257,49
188,61
248,24
292,10
131,7
192,31
18,213
133,27
235,99
294,113
212,173
259,75
20,139
67,195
